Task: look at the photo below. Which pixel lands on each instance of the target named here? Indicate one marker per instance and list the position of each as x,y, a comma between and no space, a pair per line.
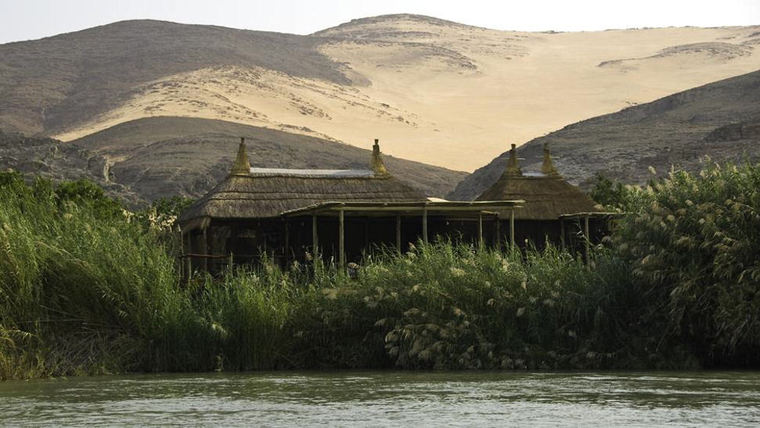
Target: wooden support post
498,234
562,233
424,225
398,234
512,229
588,238
314,236
205,249
366,236
480,230
287,241
341,240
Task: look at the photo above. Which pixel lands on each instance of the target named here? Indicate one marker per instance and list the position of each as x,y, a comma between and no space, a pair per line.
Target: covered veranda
346,231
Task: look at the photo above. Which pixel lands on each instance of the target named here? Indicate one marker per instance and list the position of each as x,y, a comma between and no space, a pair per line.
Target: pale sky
33,19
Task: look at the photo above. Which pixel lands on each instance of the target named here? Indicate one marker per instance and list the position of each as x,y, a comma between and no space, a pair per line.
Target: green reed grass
693,242
87,287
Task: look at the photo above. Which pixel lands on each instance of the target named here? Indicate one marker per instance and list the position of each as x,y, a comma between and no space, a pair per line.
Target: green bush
454,306
693,243
80,279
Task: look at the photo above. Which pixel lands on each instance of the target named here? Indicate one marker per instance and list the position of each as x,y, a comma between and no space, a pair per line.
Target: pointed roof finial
512,167
241,166
376,163
548,166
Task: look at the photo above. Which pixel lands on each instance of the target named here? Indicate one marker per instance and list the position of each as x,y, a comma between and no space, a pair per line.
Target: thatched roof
547,195
262,192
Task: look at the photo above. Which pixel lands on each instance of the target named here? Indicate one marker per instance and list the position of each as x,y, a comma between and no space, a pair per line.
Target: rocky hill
149,158
55,160
54,84
720,120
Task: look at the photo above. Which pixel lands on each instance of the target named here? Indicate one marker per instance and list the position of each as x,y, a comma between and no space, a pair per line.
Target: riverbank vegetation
87,287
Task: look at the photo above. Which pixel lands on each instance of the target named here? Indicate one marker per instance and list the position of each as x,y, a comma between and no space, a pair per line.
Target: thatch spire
241,166
512,167
548,166
376,163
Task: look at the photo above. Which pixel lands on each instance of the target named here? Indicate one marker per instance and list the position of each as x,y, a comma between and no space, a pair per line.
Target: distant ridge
360,22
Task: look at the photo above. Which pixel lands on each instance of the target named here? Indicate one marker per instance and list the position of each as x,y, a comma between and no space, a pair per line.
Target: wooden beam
382,207
314,236
205,249
287,241
498,234
398,234
424,226
341,241
366,233
562,233
512,229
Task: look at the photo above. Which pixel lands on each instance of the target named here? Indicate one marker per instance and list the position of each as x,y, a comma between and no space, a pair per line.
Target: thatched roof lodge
553,209
268,192
293,214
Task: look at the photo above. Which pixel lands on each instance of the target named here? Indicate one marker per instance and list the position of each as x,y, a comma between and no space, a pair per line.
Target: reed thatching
268,194
547,195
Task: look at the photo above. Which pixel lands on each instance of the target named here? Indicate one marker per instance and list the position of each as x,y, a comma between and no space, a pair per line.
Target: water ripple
388,399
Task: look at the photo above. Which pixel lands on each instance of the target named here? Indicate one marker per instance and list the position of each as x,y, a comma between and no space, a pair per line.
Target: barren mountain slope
166,156
57,83
720,120
56,160
434,91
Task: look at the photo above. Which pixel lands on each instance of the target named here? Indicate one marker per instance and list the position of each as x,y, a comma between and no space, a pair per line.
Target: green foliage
88,287
693,242
12,179
438,306
86,193
75,276
171,207
614,195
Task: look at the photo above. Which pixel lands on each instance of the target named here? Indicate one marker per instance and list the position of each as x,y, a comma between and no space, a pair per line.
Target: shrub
76,275
693,242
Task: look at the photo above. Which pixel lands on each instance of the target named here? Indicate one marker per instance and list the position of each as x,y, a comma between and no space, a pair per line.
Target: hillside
55,160
720,120
53,84
434,91
166,156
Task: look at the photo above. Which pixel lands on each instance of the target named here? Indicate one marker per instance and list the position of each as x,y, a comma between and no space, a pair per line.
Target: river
388,399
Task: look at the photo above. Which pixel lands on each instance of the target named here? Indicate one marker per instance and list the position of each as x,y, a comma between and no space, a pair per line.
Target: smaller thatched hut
554,210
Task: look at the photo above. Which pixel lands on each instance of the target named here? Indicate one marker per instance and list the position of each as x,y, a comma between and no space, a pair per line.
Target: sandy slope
448,94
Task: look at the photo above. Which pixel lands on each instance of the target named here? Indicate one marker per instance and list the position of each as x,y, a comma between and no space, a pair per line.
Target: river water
388,399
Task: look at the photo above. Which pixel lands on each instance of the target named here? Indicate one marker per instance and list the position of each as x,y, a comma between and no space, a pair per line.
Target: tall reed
88,287
693,243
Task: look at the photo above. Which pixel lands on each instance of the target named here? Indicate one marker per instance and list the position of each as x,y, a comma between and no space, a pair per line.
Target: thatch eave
267,196
547,197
